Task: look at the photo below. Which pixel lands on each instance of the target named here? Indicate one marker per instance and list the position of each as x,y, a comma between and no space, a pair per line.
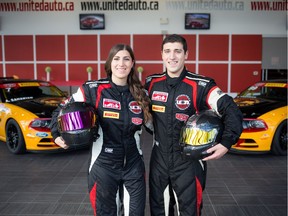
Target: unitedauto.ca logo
119,5
37,5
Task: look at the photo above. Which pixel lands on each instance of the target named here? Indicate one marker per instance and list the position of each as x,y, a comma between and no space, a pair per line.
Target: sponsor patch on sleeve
213,98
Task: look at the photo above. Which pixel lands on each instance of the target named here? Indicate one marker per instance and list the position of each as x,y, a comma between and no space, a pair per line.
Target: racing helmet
200,132
77,123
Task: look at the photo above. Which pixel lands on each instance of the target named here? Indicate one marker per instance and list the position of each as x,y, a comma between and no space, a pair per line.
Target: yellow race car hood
255,107
42,107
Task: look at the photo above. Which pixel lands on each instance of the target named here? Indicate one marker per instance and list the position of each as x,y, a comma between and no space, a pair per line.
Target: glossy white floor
55,184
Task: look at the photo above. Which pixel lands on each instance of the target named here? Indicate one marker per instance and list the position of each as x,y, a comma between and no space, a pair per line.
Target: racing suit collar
119,89
175,80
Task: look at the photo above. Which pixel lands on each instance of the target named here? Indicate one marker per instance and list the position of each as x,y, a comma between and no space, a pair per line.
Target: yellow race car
26,107
264,108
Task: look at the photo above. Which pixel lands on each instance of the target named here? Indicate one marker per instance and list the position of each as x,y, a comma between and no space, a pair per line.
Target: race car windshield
31,92
275,93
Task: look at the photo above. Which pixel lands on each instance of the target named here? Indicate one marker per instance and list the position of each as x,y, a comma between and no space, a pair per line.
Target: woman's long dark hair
135,86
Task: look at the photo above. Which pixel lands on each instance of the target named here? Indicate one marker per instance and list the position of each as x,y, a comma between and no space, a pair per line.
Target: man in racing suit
116,158
175,95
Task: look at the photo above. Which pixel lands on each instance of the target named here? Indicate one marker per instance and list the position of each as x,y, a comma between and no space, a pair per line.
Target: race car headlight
254,125
40,124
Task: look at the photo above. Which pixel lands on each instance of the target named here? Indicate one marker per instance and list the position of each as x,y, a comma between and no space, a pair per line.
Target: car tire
279,143
14,138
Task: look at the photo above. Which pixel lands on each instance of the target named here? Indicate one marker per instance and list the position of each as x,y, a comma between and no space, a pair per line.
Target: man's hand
60,142
217,151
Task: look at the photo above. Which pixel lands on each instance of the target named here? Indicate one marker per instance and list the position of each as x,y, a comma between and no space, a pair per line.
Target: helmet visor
77,120
197,136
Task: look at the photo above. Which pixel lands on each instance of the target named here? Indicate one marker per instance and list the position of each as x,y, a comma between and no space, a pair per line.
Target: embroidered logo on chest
156,108
181,117
134,107
109,150
182,102
114,115
159,96
137,121
111,104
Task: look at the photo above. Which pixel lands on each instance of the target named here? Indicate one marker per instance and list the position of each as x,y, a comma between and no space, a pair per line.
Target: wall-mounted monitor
92,21
197,21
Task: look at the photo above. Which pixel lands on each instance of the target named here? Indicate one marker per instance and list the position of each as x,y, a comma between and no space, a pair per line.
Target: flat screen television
197,21
92,21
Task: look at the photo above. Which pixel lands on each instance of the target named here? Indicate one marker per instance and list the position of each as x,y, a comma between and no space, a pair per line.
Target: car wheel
14,138
279,144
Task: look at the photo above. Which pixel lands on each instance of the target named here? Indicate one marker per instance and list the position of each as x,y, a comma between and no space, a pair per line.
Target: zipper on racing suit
125,123
172,120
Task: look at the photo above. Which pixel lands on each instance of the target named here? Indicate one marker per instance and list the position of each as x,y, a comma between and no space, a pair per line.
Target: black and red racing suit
173,101
116,158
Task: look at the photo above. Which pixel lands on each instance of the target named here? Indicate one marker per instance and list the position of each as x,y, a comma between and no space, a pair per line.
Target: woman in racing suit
116,160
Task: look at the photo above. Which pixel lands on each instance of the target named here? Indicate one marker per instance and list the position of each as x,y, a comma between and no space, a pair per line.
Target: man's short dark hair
175,38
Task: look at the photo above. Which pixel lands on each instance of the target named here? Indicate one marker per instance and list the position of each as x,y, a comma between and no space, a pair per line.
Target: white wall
224,19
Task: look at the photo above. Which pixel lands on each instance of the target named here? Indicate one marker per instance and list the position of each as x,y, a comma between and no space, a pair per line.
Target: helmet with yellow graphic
200,132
